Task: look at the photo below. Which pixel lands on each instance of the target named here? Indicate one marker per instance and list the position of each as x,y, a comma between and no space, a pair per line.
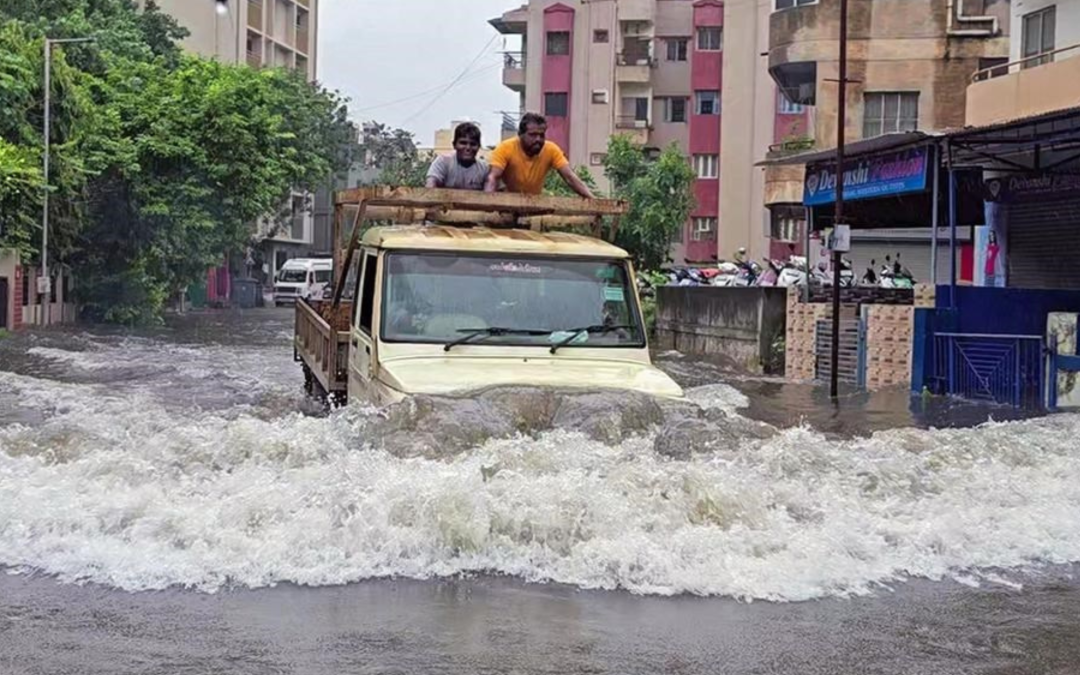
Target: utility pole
44,283
838,218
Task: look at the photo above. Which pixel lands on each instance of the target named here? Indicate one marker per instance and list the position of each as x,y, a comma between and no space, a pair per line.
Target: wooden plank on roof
490,202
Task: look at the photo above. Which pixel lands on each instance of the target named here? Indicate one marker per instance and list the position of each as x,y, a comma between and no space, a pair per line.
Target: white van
302,278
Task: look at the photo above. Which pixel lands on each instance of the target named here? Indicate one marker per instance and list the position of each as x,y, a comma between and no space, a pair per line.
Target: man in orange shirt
523,163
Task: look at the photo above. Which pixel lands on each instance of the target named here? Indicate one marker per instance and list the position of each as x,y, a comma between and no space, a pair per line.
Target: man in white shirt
462,170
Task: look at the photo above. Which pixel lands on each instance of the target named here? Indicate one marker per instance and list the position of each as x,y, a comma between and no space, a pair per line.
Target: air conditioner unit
641,124
600,96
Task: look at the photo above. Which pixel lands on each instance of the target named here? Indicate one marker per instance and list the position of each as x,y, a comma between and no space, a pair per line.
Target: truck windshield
293,276
438,298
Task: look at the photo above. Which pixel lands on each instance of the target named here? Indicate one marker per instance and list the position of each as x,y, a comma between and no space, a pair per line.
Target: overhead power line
455,81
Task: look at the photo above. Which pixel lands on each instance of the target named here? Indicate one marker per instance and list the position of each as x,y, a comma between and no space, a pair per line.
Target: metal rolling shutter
1044,243
914,256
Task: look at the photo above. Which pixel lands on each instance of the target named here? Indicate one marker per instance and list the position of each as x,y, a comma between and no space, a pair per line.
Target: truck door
362,340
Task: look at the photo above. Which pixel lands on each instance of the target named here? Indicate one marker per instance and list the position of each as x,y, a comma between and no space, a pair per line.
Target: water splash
120,488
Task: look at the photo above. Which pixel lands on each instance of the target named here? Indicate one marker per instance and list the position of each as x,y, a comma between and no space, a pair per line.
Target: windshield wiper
575,333
495,331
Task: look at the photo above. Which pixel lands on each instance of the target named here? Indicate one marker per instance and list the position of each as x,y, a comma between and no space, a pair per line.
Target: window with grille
786,107
704,229
788,4
707,102
558,43
601,36
707,166
555,105
675,110
710,39
787,223
1038,38
677,49
888,112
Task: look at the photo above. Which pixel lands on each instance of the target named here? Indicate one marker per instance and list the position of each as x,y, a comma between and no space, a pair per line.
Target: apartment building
1033,179
261,33
280,33
651,69
909,65
1043,73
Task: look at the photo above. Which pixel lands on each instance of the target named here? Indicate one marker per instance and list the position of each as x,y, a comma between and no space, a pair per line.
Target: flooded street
171,503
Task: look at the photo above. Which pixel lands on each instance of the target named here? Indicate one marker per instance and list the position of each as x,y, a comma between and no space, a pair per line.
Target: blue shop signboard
884,175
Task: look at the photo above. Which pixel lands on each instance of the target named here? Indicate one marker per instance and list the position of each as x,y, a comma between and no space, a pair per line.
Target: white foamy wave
718,397
85,360
128,494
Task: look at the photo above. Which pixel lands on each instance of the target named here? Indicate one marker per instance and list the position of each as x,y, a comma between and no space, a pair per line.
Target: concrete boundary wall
739,323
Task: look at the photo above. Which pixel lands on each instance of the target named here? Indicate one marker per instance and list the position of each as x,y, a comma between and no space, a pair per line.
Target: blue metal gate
999,368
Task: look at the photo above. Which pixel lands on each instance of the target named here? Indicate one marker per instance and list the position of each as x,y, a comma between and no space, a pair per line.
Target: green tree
162,163
20,191
75,154
554,184
407,171
207,150
660,195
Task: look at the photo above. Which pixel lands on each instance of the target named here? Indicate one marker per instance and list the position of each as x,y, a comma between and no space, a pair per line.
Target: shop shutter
914,256
1044,244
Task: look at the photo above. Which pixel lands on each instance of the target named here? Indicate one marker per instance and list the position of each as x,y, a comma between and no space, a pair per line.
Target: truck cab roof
489,240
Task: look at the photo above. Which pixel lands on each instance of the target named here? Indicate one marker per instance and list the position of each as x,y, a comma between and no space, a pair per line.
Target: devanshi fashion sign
1032,187
885,175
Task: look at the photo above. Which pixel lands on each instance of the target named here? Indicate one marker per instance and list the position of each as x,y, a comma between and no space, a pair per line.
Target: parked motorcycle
822,275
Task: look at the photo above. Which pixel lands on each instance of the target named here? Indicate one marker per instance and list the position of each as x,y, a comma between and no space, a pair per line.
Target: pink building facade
649,69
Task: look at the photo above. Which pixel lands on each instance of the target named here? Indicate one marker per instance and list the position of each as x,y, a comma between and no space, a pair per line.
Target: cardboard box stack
889,333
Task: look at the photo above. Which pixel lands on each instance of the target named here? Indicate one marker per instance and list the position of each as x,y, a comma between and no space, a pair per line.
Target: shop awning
867,146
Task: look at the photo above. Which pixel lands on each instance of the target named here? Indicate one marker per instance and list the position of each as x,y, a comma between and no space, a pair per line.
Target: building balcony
303,41
634,68
514,22
637,129
514,71
1031,86
637,10
798,38
255,15
304,3
254,59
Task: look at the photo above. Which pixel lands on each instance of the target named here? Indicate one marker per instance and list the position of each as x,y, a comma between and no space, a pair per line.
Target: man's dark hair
469,131
530,118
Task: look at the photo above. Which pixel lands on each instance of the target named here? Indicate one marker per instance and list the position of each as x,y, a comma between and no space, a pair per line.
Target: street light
44,282
224,8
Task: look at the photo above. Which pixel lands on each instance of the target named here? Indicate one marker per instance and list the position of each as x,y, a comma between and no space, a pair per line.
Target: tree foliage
391,156
162,163
554,184
660,194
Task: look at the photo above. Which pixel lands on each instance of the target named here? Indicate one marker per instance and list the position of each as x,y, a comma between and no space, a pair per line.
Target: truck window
432,297
322,276
367,294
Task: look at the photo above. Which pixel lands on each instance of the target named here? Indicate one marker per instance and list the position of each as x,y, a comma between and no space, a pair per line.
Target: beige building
261,33
909,64
1043,73
281,33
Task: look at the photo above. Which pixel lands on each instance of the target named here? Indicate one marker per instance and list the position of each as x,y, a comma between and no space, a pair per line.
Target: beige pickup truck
489,299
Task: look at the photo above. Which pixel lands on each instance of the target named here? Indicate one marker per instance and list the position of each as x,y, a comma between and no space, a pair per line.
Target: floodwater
171,503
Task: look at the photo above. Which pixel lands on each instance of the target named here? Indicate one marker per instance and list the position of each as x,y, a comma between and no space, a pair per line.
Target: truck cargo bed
322,345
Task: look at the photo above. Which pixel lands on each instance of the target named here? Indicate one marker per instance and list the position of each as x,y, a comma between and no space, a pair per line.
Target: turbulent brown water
187,458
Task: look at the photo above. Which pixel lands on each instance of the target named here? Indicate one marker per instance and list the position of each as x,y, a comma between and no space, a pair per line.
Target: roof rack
463,208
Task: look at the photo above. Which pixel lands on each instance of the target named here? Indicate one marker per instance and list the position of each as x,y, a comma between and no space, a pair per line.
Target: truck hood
456,375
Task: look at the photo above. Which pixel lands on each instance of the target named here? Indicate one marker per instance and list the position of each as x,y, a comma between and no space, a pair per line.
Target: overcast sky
377,52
